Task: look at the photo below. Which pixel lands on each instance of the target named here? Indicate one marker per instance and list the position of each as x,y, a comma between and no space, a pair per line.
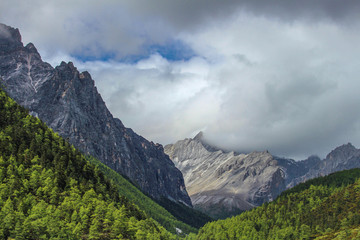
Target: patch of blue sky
104,57
95,53
172,50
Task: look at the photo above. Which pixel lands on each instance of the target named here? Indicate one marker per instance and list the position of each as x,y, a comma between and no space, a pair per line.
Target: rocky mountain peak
10,33
85,75
200,139
67,67
344,151
343,157
199,136
68,75
31,48
10,39
68,102
226,181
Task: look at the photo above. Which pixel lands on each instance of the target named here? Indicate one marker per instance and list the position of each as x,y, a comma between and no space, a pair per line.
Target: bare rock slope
225,183
69,103
341,158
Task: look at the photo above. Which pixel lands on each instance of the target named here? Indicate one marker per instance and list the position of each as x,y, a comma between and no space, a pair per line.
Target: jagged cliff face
341,158
69,103
223,184
22,70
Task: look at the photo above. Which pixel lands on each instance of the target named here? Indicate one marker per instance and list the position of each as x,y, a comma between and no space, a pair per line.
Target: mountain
341,158
322,208
48,190
226,183
68,102
173,216
223,184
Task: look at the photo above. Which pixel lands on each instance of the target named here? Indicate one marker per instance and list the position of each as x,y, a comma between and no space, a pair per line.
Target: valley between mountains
70,170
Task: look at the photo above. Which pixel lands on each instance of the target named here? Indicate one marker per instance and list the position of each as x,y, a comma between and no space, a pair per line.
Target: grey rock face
225,183
69,103
341,158
22,69
228,181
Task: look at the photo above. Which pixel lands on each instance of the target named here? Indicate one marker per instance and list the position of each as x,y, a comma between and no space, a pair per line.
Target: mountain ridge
215,178
69,103
226,183
50,191
321,208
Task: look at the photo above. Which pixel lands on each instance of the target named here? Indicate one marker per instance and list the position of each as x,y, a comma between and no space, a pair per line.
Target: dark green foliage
187,215
323,208
337,179
48,190
151,208
219,211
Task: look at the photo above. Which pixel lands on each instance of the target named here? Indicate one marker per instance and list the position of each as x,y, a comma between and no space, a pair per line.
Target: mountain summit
341,158
225,183
68,102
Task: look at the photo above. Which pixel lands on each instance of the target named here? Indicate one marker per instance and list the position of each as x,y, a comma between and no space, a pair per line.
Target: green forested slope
333,180
152,209
184,213
48,190
327,208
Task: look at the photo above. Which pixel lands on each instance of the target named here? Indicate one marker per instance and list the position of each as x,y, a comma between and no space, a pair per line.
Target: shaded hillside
168,216
325,209
48,190
68,102
184,213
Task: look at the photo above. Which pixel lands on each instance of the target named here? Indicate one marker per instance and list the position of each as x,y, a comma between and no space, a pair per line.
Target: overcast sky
252,75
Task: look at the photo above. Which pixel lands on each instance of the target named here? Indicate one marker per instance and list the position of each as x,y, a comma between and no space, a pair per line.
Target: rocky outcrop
21,68
69,103
225,183
341,158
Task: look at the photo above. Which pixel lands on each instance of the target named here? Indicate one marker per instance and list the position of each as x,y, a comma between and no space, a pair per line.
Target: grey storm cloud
276,75
186,14
123,27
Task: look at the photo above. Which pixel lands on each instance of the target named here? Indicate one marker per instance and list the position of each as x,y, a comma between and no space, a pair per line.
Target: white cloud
281,77
295,96
170,98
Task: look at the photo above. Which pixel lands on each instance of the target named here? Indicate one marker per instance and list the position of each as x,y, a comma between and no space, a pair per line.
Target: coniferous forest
172,216
194,120
322,208
50,190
